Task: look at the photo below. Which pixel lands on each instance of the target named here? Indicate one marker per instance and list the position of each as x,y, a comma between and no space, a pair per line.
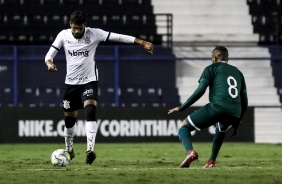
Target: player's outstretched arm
176,109
148,46
51,66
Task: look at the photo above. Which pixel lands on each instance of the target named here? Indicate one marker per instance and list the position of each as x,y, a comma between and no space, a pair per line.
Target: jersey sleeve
55,47
198,93
100,35
206,75
59,41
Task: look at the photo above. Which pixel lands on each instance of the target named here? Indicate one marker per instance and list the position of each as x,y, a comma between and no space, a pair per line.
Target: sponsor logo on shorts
88,92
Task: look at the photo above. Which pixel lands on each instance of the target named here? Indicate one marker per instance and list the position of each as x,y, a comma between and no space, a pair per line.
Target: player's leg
184,134
195,121
217,143
69,130
71,104
198,120
89,97
90,129
221,128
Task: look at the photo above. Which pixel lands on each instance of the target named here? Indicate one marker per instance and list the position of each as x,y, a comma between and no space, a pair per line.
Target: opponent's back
226,84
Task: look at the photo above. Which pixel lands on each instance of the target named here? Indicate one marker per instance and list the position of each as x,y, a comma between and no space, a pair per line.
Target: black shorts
75,95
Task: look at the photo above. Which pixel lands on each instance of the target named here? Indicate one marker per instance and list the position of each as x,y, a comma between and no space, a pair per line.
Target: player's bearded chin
77,35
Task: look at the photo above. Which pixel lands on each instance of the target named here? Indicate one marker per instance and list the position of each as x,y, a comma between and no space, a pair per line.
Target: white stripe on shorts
218,125
191,122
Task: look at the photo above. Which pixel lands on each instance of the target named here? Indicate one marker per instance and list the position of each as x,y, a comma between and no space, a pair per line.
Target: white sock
69,135
90,130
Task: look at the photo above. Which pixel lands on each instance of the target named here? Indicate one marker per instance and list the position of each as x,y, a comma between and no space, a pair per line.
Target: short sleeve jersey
226,85
80,53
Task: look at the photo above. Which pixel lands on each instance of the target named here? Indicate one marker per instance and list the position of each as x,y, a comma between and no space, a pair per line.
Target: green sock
217,142
185,138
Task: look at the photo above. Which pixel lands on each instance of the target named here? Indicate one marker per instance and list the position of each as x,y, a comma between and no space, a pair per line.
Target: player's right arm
244,105
244,99
198,93
57,44
51,66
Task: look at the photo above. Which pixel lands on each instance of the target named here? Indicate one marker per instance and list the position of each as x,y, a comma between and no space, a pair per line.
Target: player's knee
90,112
186,125
185,129
69,121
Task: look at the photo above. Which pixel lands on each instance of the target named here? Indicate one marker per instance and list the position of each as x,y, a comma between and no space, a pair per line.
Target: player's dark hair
222,49
78,17
223,52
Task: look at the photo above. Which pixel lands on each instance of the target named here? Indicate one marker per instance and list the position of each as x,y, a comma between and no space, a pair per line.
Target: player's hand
51,66
235,132
148,46
176,109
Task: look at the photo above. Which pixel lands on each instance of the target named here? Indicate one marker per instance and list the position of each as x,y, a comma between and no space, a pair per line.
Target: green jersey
227,89
226,85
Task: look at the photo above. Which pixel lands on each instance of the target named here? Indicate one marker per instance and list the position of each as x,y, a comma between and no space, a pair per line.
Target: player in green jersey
228,104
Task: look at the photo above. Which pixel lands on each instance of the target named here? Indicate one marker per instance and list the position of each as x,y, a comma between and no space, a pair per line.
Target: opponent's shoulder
236,70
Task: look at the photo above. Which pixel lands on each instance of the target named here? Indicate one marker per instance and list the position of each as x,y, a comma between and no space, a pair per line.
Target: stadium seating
142,79
266,19
208,21
38,22
7,96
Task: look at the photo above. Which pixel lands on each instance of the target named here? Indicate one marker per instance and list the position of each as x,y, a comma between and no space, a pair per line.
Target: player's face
77,29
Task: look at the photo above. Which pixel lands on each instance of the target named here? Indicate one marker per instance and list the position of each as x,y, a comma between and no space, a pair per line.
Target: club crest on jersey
87,40
83,52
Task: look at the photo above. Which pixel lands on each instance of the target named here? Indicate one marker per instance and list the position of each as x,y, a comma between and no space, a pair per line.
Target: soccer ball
60,157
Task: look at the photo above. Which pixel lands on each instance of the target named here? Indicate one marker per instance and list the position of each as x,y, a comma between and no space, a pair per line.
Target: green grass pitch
154,163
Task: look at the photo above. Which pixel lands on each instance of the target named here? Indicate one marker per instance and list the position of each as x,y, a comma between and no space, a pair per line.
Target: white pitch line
135,169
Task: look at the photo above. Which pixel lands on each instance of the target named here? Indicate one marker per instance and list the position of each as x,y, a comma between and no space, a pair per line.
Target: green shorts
206,116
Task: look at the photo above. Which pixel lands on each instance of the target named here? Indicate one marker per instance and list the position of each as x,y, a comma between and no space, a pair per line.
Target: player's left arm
148,46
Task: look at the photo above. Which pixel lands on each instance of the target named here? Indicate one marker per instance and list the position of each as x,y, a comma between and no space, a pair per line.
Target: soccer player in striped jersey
81,82
228,104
